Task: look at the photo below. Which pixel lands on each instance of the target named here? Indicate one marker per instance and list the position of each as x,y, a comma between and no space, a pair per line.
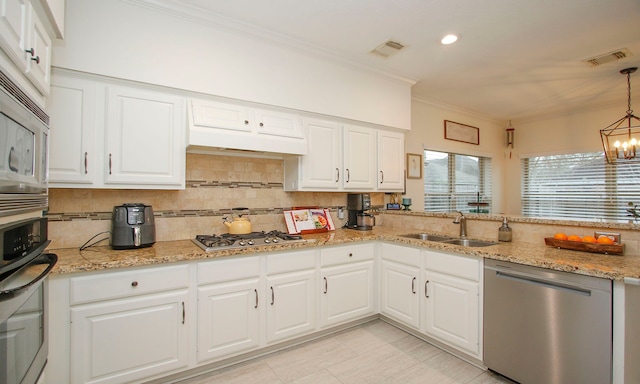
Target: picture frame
461,132
414,166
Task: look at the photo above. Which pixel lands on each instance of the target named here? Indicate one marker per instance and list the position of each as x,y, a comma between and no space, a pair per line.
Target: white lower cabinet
347,283
228,307
400,284
134,325
452,298
128,326
291,295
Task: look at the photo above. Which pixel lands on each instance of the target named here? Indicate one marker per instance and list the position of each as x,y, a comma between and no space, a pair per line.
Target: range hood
221,126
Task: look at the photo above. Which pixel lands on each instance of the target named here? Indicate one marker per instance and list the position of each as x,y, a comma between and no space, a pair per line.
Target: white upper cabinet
359,158
72,145
321,168
13,30
38,54
25,40
390,161
217,124
346,158
108,135
144,137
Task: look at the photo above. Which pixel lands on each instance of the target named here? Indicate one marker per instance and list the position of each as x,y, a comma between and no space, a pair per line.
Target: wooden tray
609,249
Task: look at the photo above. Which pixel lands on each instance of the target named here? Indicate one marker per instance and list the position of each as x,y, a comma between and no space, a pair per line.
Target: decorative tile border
167,214
232,184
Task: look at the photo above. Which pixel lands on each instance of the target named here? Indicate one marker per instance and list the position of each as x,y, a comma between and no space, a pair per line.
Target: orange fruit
589,239
560,236
604,240
574,238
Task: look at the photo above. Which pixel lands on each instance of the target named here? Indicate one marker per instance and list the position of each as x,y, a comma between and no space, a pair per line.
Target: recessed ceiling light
449,39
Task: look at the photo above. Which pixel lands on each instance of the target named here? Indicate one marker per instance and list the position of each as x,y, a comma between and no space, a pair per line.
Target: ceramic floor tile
450,366
303,360
416,348
253,372
320,377
490,378
376,366
375,352
370,336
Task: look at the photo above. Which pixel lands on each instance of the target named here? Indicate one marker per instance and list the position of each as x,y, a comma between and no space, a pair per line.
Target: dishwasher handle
525,278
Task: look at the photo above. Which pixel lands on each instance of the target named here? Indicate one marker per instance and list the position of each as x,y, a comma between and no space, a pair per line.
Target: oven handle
45,258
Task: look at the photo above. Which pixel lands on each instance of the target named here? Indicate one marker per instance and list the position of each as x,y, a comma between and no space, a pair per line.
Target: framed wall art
414,166
461,132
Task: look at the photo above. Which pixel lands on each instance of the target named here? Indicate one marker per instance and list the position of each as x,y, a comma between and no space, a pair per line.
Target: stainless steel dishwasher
546,327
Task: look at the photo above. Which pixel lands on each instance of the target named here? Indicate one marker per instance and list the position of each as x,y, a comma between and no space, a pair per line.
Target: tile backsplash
215,184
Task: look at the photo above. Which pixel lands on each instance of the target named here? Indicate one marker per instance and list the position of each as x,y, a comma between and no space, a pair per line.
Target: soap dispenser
504,232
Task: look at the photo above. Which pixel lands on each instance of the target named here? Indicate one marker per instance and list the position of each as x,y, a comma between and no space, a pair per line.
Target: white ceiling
515,59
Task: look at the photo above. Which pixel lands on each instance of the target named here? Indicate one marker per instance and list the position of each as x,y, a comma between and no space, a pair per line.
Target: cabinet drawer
346,254
401,254
454,265
290,262
225,270
122,284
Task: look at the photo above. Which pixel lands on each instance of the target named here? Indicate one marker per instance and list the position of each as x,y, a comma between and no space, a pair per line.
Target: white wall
569,133
120,39
427,132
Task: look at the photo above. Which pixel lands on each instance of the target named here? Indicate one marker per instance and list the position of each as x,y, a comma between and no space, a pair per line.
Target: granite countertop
72,260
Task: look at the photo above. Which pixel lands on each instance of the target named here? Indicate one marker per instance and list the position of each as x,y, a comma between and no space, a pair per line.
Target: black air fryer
132,226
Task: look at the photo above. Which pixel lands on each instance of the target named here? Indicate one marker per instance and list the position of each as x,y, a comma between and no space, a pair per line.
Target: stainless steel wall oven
23,300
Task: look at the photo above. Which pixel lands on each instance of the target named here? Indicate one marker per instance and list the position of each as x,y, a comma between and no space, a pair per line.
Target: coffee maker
357,204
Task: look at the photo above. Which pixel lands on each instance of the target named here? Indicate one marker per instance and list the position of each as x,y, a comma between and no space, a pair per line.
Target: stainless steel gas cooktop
228,241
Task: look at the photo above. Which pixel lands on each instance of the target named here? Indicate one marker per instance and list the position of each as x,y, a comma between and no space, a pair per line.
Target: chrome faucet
460,219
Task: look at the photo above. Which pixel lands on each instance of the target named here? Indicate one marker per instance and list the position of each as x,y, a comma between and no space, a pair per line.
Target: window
454,182
578,186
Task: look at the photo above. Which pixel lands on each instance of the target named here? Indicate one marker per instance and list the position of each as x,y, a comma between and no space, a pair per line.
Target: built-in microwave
24,132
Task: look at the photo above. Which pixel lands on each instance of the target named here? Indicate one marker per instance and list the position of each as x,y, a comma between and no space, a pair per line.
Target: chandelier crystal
621,139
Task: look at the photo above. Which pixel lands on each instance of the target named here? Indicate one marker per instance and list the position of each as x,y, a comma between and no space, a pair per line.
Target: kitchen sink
426,236
449,240
469,242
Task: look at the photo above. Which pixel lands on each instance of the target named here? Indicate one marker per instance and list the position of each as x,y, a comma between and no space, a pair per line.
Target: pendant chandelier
621,139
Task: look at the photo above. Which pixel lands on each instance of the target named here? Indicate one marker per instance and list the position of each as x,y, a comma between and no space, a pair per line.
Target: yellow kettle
238,225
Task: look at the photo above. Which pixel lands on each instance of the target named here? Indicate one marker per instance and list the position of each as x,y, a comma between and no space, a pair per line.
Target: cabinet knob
134,283
246,122
31,51
350,254
36,59
261,124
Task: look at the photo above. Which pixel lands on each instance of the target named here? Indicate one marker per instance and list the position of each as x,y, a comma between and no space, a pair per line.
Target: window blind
455,182
578,186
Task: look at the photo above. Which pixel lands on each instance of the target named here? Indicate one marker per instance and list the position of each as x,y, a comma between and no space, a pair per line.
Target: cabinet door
73,155
144,138
291,308
452,311
399,292
128,340
228,318
13,31
216,115
273,123
347,292
359,158
321,167
39,60
390,161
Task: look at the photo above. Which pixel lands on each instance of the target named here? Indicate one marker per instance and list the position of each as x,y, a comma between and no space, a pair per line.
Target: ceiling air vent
608,57
387,49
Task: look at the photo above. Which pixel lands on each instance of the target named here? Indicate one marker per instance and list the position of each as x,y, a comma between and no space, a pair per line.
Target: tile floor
375,352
